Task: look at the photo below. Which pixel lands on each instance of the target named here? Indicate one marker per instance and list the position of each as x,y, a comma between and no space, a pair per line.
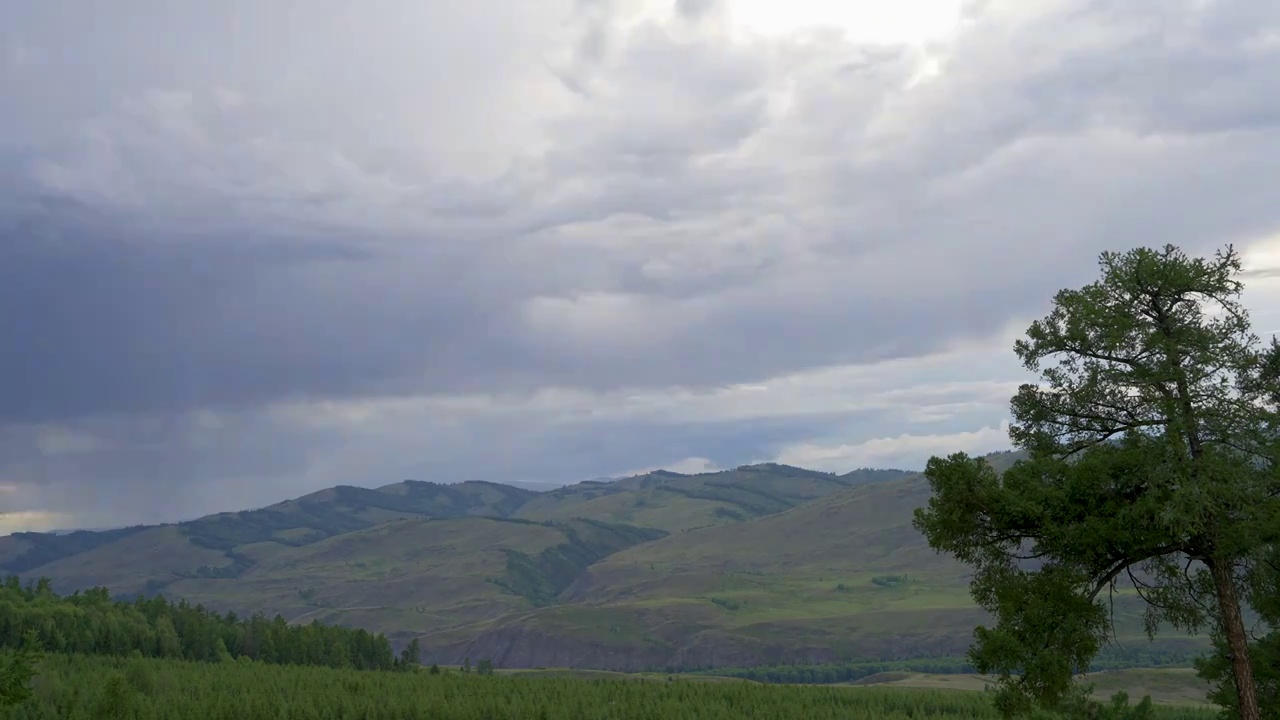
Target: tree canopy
1152,449
90,622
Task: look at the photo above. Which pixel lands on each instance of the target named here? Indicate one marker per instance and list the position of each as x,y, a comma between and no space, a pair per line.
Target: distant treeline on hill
1108,659
92,623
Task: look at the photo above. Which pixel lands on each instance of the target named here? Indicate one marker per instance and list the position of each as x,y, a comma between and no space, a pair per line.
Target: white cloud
687,466
973,372
33,521
904,451
912,22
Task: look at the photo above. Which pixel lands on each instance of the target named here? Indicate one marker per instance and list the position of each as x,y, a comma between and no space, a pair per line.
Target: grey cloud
106,317
123,470
189,223
146,472
679,102
696,9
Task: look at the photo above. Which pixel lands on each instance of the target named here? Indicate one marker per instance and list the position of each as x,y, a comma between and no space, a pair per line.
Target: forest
81,687
84,655
90,622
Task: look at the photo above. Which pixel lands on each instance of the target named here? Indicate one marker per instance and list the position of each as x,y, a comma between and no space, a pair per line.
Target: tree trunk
1237,639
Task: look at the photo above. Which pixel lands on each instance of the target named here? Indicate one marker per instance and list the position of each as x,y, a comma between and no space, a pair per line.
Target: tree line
91,623
830,673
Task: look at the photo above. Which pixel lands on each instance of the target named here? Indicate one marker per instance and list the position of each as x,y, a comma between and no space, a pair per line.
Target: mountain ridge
761,564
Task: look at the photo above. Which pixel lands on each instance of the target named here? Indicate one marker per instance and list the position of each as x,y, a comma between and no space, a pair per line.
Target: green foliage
341,512
841,672
889,581
90,622
115,700
734,515
1079,706
726,603
411,655
230,530
540,579
238,565
751,501
17,667
1152,450
48,547
435,499
1110,658
1264,651
80,688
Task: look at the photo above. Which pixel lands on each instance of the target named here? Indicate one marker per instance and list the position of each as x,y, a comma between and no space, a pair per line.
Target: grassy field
1166,686
76,688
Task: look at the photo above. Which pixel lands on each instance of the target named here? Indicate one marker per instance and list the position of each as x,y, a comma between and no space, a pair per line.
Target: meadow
76,687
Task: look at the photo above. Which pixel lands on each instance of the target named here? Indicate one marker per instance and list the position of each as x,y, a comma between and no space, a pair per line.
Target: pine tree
1154,445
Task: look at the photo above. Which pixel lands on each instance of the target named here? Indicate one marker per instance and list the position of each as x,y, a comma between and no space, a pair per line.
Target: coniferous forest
91,623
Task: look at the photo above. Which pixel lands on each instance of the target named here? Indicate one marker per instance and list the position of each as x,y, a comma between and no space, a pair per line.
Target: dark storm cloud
200,465
108,316
140,316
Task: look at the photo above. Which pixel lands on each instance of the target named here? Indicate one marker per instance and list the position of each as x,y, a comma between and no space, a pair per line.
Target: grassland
76,687
1166,686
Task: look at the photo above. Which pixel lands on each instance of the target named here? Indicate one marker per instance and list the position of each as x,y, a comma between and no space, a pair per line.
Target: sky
254,248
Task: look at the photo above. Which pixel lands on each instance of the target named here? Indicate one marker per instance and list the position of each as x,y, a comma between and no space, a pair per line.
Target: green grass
81,688
1166,686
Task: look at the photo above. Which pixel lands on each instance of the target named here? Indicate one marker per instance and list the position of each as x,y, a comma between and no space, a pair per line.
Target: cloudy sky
252,248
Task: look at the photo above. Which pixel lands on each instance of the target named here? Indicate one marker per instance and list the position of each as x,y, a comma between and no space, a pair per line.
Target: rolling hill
762,564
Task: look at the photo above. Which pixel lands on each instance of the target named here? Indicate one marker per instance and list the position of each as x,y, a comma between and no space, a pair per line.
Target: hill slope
844,577
675,502
838,578
200,559
762,564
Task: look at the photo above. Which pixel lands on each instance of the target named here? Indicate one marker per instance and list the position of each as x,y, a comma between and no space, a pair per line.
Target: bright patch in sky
863,21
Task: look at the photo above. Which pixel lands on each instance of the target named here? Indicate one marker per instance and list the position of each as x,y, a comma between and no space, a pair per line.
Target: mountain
675,502
760,564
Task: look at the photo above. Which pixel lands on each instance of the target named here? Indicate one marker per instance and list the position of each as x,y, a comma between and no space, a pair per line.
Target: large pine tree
1152,444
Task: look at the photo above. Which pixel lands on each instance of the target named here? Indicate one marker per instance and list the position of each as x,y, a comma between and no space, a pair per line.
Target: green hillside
674,502
761,565
837,578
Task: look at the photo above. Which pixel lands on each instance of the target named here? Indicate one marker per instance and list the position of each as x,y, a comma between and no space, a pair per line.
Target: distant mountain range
762,564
